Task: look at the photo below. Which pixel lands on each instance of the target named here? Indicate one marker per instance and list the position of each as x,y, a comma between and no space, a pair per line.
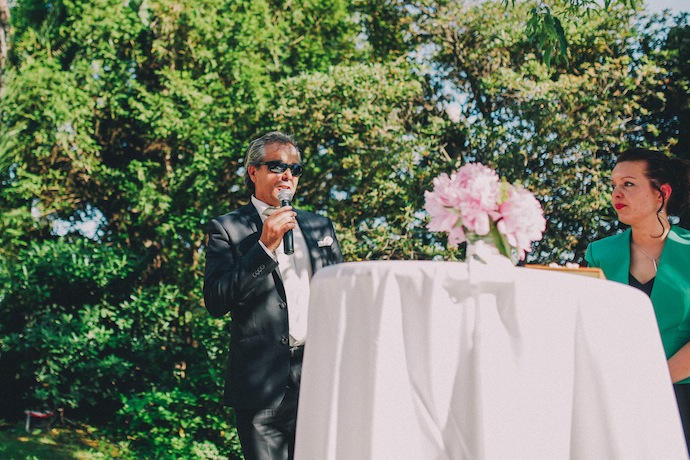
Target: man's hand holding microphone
279,225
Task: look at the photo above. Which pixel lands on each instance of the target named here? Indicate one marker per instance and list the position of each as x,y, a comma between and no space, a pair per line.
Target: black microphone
285,197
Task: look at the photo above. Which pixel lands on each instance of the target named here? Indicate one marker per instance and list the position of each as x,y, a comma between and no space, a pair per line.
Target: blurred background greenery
123,126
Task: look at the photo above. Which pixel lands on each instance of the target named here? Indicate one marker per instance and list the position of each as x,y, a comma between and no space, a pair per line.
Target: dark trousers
682,391
269,434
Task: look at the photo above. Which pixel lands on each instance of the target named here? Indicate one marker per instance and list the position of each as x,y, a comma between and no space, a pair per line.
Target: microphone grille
285,195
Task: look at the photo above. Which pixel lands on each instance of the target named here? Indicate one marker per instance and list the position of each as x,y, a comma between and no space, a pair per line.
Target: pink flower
522,220
439,205
473,201
471,194
478,192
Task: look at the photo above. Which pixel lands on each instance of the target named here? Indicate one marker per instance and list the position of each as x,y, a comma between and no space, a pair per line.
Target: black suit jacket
243,280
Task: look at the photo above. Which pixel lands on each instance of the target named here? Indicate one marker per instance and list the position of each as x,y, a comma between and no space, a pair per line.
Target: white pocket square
325,242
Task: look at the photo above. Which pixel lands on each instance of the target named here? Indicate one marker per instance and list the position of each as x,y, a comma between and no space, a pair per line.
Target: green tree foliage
133,116
4,32
668,114
122,132
370,154
545,24
530,120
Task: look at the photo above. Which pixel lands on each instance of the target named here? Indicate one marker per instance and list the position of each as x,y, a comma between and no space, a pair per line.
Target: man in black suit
266,293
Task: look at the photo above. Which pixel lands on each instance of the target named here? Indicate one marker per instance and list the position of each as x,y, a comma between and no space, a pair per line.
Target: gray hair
257,151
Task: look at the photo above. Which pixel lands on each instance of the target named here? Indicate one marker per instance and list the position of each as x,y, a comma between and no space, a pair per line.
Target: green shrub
170,424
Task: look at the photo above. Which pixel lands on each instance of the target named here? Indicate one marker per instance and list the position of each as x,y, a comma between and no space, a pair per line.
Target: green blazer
671,291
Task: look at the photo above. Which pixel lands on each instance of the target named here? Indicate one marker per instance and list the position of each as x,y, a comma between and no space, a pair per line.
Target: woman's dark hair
661,170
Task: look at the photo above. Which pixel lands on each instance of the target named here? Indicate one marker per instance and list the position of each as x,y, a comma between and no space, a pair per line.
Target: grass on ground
59,443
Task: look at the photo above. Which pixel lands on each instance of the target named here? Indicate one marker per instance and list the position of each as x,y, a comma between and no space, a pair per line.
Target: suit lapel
305,225
617,260
251,216
674,255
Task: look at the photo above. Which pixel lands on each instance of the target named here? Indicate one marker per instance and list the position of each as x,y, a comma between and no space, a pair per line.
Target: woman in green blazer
652,255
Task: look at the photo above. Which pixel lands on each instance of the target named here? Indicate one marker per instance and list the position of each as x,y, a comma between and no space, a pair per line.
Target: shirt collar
260,207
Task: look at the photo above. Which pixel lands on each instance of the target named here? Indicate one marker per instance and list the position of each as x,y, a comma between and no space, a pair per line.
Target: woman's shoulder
613,240
681,232
607,250
680,235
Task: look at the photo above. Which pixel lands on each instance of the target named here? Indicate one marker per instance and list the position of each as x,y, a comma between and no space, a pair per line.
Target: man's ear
251,170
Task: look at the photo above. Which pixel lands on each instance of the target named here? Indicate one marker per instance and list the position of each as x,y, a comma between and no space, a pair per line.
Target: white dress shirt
295,270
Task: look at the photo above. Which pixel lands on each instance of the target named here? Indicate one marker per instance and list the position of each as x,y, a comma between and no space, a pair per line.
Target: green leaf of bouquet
500,241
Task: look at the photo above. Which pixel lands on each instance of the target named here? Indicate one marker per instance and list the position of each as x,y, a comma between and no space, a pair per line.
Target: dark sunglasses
278,167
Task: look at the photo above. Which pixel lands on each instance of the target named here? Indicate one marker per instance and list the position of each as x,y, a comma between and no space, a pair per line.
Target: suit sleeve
232,271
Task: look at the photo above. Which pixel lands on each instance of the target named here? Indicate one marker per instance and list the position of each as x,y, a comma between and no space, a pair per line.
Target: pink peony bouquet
474,204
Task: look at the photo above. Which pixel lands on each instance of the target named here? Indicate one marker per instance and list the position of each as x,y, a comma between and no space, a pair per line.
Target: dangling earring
659,215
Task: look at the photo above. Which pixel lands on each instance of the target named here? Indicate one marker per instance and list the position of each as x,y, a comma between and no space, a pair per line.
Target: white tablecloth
431,360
